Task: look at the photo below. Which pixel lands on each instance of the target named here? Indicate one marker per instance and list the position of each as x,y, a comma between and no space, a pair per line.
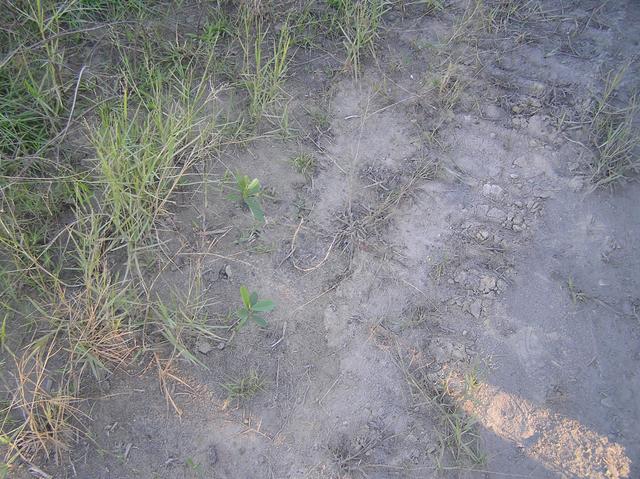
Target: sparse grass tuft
113,9
305,164
613,135
458,430
358,226
244,387
42,415
184,320
359,22
449,87
264,72
494,17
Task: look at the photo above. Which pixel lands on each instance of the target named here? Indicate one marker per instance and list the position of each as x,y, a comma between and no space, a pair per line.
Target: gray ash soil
466,272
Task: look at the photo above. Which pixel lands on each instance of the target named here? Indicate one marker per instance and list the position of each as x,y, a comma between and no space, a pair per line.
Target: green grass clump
264,70
359,22
26,123
305,164
244,387
145,145
112,9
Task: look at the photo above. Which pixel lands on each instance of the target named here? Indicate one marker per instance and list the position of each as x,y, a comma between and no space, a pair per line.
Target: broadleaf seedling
248,192
252,308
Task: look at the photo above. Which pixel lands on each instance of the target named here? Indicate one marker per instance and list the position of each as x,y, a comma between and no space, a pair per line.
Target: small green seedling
305,164
214,29
194,466
249,192
252,308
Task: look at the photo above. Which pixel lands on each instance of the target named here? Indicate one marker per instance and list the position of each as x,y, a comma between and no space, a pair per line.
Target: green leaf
244,293
255,208
259,320
253,298
243,314
264,306
242,182
253,187
234,197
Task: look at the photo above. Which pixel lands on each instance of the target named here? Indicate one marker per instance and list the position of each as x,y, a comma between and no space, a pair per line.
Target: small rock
496,214
488,284
414,455
221,345
482,235
494,112
493,191
203,346
460,277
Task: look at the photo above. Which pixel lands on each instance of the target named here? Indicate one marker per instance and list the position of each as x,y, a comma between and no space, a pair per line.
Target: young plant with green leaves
214,29
248,193
252,308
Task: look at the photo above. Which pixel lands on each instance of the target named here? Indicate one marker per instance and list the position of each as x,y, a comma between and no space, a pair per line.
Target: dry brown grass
42,415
